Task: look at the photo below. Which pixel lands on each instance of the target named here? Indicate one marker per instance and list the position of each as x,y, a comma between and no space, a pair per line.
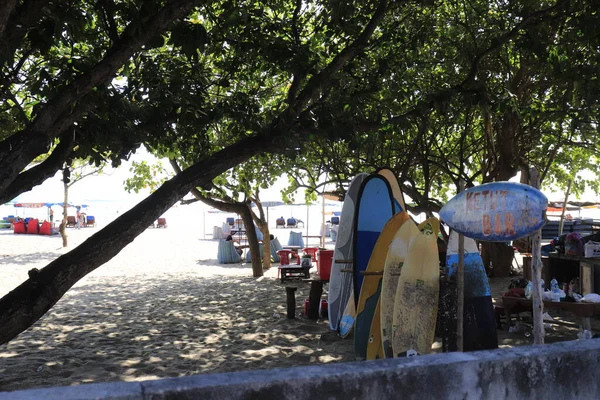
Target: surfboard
374,207
391,274
416,301
497,211
479,323
396,192
347,321
340,283
371,286
374,347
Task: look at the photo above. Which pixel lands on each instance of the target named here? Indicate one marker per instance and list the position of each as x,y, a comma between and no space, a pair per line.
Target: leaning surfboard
374,207
396,192
497,211
340,283
348,315
391,273
479,324
416,302
374,347
371,286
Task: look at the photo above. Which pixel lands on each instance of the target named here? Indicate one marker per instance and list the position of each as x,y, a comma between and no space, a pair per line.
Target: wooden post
314,299
323,227
536,273
562,215
460,286
291,302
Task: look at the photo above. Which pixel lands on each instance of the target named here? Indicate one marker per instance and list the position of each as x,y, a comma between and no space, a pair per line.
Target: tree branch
445,95
39,173
18,26
18,150
317,82
7,7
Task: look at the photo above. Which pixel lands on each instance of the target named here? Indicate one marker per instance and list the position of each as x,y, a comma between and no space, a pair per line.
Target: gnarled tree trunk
23,306
246,214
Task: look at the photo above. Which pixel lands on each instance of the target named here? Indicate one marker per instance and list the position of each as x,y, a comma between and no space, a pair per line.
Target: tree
74,172
29,301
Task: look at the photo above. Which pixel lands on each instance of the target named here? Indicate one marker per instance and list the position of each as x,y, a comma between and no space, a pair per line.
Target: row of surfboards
384,283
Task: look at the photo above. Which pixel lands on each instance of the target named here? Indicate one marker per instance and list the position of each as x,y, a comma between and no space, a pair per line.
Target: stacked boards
340,283
384,236
395,275
479,324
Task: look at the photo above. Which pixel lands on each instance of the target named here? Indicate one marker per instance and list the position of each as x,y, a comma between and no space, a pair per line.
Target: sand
164,307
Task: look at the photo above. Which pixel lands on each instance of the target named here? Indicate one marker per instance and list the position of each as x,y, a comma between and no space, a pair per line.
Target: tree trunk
63,224
263,226
257,270
497,258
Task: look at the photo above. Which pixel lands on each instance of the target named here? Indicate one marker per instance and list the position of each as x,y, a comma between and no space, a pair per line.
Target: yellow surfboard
430,224
391,274
393,181
416,302
371,286
374,347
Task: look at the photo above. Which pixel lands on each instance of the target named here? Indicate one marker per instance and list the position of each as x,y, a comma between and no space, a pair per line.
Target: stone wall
563,370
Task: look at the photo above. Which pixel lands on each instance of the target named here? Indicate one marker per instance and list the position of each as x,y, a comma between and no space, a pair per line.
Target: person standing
51,212
78,219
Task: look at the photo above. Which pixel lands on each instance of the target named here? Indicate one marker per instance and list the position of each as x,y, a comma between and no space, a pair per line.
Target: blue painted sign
497,211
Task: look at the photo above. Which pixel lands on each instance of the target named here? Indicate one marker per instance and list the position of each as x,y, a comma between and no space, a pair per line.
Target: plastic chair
284,259
161,223
312,251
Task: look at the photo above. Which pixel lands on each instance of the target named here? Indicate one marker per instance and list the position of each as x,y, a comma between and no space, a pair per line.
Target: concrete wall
563,370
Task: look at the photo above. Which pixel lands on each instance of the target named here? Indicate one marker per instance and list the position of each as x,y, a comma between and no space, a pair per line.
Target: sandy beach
164,307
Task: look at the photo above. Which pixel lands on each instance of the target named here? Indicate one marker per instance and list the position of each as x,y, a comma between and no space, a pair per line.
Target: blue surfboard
479,323
497,211
375,206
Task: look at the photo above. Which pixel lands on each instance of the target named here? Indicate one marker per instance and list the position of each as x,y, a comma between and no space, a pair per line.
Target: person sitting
291,222
235,244
280,222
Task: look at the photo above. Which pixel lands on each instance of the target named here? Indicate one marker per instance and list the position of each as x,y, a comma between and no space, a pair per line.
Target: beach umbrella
267,204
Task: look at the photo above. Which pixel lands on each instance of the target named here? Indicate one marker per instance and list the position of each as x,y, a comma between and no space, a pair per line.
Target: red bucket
306,304
323,309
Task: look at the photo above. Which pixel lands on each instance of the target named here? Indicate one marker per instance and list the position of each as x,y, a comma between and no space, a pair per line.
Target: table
564,268
583,310
293,271
584,268
292,248
311,237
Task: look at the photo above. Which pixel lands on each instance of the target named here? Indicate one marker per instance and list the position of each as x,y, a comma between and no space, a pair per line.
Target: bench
583,310
291,271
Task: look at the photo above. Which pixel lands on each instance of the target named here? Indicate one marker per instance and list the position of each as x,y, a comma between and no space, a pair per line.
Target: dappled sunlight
143,328
148,314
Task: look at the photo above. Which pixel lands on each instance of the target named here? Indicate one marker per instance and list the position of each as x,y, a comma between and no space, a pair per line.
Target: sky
109,186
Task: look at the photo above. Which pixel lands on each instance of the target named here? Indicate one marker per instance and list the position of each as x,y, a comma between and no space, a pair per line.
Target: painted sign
497,211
